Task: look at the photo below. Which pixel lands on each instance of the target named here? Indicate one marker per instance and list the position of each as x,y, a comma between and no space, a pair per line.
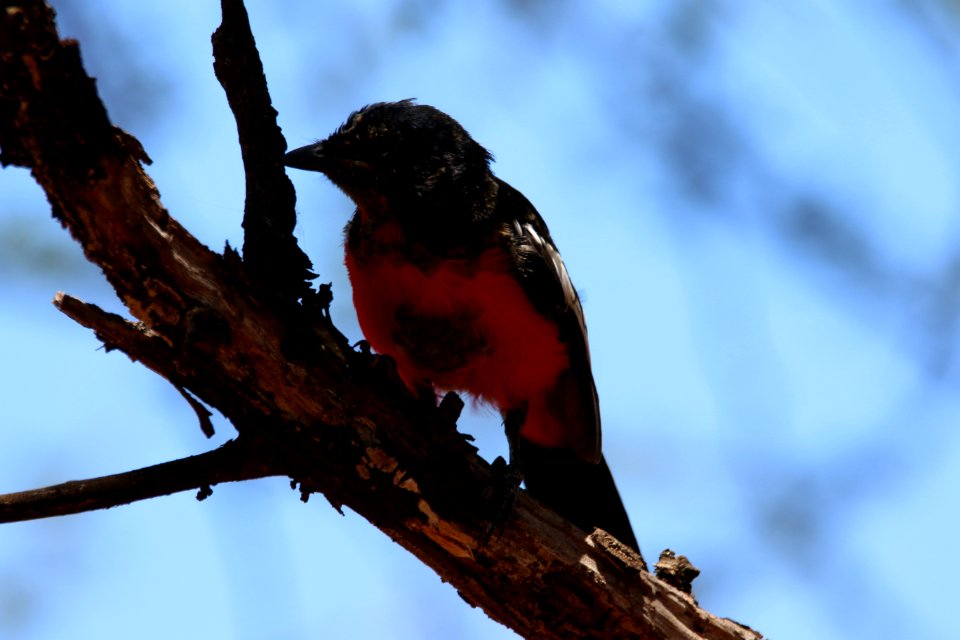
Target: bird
456,277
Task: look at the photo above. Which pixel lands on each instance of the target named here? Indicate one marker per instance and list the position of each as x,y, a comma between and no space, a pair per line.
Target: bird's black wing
545,280
574,481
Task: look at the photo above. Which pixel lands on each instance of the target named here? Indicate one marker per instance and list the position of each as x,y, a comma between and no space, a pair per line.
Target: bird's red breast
462,325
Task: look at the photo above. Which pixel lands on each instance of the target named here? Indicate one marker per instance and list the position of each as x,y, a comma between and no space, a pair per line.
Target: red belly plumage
523,354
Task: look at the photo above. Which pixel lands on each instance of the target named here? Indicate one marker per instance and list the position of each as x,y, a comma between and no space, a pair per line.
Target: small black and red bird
456,277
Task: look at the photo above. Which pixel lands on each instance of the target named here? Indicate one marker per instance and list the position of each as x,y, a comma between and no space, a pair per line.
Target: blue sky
758,203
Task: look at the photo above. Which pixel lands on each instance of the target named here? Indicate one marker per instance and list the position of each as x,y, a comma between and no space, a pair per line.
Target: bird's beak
309,158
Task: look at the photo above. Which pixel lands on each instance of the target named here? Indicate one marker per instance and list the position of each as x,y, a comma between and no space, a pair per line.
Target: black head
410,157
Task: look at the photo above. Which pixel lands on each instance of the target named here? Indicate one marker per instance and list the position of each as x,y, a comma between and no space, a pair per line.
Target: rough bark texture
303,403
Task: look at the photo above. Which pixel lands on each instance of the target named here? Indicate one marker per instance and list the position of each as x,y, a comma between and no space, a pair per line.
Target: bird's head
403,156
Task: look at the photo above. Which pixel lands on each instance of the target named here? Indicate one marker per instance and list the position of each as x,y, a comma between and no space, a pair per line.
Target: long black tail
582,492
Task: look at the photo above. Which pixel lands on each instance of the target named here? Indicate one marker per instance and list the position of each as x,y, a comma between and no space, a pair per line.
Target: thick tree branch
281,374
228,463
269,248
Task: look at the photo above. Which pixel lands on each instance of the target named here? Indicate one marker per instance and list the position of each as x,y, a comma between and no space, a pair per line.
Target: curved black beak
309,158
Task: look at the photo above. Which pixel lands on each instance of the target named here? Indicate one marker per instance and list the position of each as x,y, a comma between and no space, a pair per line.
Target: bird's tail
582,492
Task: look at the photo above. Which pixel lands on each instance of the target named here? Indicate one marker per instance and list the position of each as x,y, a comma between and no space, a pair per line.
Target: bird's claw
503,494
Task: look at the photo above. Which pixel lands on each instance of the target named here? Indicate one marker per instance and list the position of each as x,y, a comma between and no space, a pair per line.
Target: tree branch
137,341
301,401
269,249
228,463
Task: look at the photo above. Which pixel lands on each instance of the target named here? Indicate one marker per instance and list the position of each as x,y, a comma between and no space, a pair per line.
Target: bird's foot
503,494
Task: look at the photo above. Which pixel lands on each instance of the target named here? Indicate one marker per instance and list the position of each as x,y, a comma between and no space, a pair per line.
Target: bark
252,339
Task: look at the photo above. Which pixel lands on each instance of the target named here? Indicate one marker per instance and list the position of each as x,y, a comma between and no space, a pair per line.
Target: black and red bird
456,277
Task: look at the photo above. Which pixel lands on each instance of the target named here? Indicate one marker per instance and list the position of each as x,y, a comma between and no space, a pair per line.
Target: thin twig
228,463
134,339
